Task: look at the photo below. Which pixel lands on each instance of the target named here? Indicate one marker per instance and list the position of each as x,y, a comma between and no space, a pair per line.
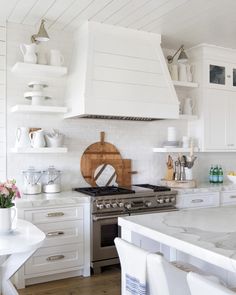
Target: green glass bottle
215,174
220,175
211,174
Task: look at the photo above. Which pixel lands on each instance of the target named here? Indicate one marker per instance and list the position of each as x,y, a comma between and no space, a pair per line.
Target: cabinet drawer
54,214
62,232
198,200
55,258
227,198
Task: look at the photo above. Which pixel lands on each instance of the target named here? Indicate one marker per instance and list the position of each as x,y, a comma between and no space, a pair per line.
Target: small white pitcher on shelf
29,53
37,139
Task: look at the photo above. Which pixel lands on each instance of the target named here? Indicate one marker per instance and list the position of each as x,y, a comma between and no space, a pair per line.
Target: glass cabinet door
217,74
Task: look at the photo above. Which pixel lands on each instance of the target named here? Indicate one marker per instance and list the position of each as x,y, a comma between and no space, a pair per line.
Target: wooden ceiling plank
21,9
57,10
37,12
183,16
110,10
140,13
126,11
88,13
70,13
157,13
7,9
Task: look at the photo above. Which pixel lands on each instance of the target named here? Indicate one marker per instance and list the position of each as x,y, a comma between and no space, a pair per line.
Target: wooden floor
108,283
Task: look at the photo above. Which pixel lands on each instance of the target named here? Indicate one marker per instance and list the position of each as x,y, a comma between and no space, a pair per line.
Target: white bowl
232,178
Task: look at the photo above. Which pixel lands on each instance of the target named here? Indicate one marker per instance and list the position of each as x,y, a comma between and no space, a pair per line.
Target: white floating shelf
44,150
185,84
21,108
38,70
174,150
188,117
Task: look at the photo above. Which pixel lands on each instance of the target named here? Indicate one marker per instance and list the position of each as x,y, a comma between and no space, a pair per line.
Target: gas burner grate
155,188
104,191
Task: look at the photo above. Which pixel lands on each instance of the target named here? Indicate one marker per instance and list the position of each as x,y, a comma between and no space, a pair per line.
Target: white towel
133,265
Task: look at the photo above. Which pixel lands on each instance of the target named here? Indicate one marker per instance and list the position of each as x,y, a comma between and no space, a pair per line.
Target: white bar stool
199,284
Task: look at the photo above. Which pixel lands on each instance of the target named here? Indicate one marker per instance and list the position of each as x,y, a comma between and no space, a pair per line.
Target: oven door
105,230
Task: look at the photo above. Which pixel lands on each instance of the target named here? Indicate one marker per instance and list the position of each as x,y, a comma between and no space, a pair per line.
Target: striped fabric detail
133,286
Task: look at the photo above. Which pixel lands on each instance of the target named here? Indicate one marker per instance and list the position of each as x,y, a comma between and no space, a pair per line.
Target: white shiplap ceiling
179,21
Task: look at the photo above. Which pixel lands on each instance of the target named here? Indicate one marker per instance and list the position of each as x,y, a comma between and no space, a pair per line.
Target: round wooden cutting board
101,154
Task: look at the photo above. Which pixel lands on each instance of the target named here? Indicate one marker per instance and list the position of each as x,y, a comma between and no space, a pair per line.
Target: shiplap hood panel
119,73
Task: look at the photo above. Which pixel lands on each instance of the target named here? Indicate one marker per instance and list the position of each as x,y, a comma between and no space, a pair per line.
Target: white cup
171,135
56,58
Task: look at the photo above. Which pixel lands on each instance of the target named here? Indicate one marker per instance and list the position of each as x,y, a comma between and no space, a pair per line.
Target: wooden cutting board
101,154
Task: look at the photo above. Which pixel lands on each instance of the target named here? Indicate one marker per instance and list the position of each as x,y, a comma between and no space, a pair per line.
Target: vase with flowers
8,193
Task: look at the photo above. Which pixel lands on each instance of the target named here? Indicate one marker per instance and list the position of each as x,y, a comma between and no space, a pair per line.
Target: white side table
18,245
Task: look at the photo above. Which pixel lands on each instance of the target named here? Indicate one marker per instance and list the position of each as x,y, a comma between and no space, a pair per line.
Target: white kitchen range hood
119,73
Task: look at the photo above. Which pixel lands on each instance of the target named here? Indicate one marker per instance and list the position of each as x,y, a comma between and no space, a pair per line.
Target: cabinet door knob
228,76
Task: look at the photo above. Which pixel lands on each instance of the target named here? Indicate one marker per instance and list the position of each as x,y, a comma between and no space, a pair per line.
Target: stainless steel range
109,203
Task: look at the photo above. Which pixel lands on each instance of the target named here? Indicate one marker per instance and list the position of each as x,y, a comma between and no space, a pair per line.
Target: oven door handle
97,218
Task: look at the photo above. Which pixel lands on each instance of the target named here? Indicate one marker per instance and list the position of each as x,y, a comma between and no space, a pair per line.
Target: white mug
56,58
7,219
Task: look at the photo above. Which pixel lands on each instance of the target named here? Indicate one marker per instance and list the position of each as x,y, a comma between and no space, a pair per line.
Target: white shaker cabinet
197,200
65,251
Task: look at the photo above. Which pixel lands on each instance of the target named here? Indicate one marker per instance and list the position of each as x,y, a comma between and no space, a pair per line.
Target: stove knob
127,205
100,206
108,205
167,200
114,205
160,201
121,204
172,199
148,203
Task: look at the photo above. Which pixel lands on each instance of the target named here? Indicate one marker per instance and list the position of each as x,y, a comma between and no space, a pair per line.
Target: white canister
174,72
185,141
171,134
7,219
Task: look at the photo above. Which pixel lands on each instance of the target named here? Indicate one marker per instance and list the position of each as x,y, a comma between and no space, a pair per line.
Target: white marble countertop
208,234
26,237
208,187
42,200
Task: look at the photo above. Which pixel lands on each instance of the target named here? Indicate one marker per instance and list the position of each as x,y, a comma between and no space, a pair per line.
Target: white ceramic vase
7,219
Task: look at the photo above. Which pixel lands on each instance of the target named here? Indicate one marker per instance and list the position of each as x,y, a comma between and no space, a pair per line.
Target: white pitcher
188,106
22,138
56,58
183,73
37,139
29,53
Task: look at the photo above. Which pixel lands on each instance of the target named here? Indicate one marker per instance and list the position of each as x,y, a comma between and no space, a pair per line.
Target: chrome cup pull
197,201
55,214
233,197
55,257
55,233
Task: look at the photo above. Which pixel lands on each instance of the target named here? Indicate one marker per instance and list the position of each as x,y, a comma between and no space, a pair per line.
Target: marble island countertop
208,234
42,200
208,187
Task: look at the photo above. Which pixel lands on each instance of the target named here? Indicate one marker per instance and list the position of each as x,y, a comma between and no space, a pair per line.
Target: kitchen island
207,236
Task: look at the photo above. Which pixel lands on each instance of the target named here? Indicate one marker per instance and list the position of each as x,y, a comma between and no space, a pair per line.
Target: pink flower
4,191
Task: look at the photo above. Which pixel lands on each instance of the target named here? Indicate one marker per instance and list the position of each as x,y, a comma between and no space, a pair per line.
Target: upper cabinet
119,72
216,97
